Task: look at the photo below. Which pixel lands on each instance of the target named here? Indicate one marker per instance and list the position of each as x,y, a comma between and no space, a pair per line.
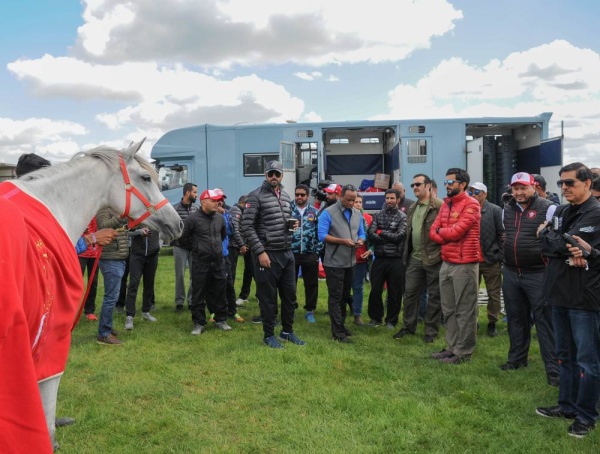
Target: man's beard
193,199
453,192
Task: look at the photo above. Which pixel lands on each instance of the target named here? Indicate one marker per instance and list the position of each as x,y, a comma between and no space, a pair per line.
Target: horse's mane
108,155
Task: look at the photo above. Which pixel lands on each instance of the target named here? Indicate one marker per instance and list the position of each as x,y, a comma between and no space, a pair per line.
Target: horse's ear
133,148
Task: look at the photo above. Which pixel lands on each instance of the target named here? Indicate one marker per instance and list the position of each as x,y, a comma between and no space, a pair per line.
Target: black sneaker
342,340
491,330
403,332
553,412
428,339
257,319
580,429
509,365
179,308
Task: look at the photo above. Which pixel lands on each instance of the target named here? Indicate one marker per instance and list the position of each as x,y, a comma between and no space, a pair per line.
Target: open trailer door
551,160
287,156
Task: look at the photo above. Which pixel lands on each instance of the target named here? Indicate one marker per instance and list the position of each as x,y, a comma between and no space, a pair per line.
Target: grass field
166,391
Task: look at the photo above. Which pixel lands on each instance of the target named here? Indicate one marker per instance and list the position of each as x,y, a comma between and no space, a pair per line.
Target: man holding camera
523,276
572,286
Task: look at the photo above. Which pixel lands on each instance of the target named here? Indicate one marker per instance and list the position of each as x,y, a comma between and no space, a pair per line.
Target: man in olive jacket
422,260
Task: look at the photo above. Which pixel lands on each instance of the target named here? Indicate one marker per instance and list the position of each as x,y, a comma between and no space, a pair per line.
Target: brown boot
358,320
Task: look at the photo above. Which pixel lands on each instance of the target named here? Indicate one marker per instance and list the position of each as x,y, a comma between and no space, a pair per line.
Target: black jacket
236,240
145,245
387,232
206,233
522,247
491,232
184,211
264,220
569,286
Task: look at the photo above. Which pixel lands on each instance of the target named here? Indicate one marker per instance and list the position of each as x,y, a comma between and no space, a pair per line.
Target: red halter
129,189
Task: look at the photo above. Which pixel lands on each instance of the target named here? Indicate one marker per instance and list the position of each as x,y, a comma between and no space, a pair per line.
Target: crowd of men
429,253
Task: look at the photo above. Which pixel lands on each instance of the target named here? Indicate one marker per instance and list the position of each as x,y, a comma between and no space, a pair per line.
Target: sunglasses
474,191
416,185
271,173
450,182
569,183
298,194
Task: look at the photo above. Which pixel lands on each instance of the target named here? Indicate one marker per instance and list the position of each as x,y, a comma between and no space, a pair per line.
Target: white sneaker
148,316
223,325
198,330
240,302
129,323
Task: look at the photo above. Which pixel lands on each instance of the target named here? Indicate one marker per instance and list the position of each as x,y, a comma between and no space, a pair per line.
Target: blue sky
76,74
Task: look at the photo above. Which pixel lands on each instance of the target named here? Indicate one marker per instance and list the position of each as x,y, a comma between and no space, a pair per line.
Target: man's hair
242,199
348,187
426,179
582,172
461,175
540,180
393,191
596,184
433,184
30,162
188,187
304,188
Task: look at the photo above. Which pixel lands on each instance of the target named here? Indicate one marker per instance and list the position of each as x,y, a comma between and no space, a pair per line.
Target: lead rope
87,289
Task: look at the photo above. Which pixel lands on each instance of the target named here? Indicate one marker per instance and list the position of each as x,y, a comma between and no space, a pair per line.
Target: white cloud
226,32
312,117
37,135
556,77
309,76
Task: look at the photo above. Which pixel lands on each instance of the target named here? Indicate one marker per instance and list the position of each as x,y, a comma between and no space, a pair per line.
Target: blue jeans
577,337
112,272
360,272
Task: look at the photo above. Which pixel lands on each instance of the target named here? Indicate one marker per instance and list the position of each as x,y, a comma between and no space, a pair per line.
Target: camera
319,192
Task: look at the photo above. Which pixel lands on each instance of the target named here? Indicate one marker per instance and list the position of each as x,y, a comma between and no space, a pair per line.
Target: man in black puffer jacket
387,232
265,231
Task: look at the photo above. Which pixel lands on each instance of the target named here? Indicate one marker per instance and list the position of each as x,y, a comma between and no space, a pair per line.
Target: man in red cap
206,230
523,276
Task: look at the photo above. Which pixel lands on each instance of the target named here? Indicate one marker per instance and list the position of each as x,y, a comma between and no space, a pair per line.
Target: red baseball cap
220,192
333,188
522,178
210,194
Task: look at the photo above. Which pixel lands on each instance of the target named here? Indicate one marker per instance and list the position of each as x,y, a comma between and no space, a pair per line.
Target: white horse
42,216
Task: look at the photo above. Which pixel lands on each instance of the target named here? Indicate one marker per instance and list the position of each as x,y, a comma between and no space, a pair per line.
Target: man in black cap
540,188
265,230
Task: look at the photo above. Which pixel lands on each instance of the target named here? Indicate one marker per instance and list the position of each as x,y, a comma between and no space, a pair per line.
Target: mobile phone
555,223
573,242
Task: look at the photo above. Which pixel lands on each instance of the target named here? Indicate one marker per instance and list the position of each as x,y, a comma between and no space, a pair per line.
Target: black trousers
524,299
208,288
248,274
390,270
310,275
339,285
141,266
90,301
268,281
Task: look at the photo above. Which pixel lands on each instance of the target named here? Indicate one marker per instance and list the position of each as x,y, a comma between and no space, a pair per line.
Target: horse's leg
49,392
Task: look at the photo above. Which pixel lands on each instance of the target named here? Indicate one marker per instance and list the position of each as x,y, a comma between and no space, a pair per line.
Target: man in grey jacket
341,227
491,239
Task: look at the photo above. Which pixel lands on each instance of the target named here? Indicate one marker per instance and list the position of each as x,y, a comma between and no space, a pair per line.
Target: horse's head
138,195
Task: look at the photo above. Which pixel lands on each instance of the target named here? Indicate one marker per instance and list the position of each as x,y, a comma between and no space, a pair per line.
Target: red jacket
456,228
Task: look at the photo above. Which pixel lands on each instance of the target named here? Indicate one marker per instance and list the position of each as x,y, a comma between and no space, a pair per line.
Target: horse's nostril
180,225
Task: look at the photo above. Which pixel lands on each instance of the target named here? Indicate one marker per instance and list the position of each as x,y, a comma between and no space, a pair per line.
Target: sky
77,74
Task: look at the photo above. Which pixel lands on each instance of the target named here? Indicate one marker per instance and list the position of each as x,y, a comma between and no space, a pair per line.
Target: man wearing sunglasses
265,230
523,276
456,229
306,247
422,260
491,242
571,287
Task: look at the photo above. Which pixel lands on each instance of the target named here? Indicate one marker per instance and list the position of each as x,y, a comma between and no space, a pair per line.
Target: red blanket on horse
40,292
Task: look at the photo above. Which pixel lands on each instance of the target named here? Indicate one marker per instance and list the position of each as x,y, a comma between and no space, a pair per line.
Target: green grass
166,391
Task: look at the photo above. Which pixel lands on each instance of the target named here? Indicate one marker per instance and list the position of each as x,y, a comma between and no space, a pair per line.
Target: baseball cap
333,188
220,192
210,194
540,181
522,178
274,165
480,186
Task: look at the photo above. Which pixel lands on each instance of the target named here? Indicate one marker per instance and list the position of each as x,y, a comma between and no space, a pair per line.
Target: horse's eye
147,178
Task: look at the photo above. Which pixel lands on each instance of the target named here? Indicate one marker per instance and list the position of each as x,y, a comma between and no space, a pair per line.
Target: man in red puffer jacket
456,228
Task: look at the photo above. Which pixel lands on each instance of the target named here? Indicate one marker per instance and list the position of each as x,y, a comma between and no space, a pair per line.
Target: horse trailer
234,157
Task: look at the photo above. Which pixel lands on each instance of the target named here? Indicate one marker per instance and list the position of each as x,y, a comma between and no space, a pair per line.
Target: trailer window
416,129
339,141
172,177
255,163
308,154
416,151
369,140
